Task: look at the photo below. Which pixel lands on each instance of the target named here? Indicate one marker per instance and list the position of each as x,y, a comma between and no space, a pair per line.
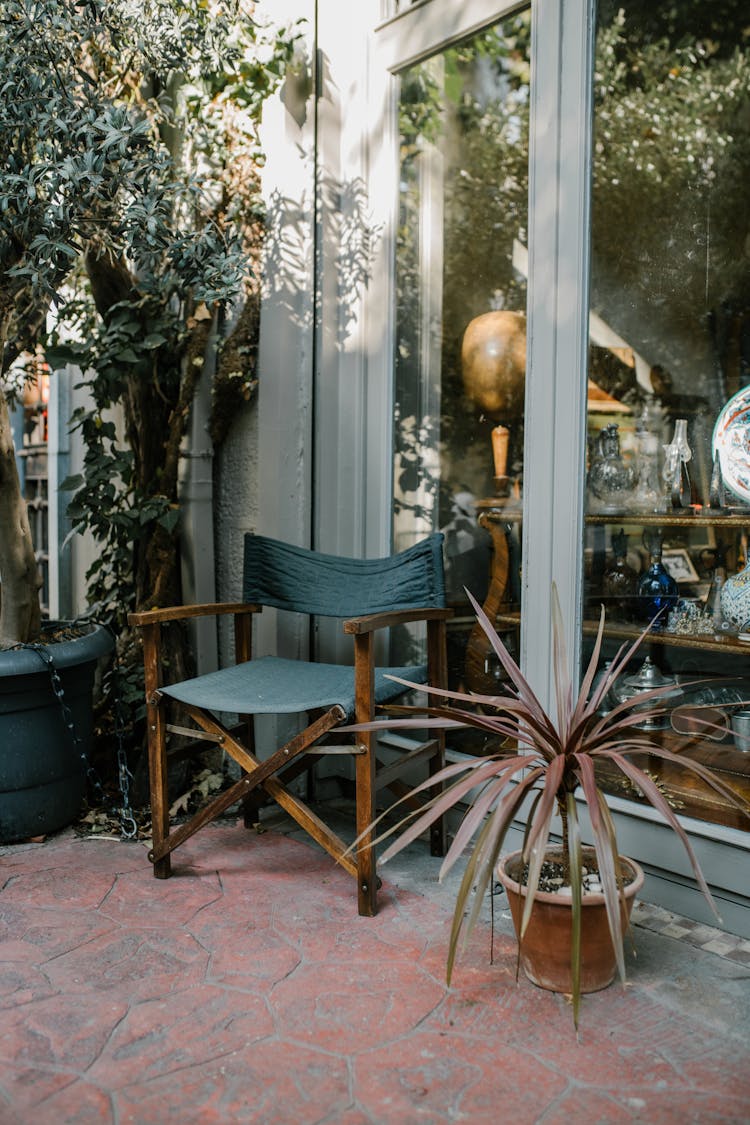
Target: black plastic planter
42,761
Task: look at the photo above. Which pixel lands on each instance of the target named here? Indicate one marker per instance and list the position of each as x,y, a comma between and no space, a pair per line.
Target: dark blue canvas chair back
288,577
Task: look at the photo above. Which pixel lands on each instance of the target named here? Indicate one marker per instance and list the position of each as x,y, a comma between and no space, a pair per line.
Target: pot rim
630,889
94,642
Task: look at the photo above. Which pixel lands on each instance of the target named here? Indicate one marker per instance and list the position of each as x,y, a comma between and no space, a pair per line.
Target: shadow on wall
288,285
346,251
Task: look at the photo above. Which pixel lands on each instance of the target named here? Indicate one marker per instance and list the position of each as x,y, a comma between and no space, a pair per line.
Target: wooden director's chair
369,595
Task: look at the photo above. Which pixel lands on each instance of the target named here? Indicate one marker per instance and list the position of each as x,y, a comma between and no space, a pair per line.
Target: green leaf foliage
114,148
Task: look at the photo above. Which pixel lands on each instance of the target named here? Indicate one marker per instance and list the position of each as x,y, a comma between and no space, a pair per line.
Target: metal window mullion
555,422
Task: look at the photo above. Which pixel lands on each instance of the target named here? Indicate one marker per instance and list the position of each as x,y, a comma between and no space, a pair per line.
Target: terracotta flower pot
545,950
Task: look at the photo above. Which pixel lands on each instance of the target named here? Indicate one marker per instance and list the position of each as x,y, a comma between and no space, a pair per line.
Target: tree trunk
20,615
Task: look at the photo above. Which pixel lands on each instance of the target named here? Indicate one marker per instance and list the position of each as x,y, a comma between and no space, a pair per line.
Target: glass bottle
657,589
676,457
610,480
620,581
606,704
714,559
648,496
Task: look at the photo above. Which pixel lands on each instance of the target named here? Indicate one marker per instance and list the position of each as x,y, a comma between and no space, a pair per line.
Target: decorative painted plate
731,441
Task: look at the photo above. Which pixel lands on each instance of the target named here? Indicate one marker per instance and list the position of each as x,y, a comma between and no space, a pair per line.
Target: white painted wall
235,509
263,471
69,559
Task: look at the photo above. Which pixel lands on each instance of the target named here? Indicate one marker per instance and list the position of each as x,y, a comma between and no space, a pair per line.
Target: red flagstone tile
45,932
353,1116
593,1107
24,1091
249,957
498,1009
445,1078
77,1103
16,951
362,939
479,959
139,964
21,983
637,1044
162,1037
225,923
137,896
228,915
684,1106
711,1070
341,1007
267,1084
88,853
235,851
73,887
68,1031
314,904
95,853
14,918
637,1041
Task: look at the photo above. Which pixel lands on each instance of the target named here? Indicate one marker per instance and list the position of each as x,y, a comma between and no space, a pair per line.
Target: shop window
668,473
460,313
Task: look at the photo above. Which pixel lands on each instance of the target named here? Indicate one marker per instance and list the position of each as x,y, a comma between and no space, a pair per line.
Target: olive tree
122,231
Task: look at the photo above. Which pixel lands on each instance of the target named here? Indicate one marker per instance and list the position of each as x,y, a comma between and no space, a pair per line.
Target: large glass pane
460,321
668,486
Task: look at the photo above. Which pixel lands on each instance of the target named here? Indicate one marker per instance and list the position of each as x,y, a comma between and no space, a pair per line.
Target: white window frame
557,302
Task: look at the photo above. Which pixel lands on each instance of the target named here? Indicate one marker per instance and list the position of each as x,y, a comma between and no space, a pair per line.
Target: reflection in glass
460,313
670,340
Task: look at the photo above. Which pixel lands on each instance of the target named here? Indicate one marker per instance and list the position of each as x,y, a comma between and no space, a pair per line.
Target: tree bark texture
156,414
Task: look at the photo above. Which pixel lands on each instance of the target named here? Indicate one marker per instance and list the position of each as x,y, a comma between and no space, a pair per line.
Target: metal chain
128,825
58,690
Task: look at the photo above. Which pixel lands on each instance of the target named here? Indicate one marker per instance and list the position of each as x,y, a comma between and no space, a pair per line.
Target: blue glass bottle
657,589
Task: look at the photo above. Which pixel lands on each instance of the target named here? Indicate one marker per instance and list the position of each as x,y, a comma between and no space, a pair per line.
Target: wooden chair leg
251,807
365,768
243,651
157,746
157,770
256,799
367,880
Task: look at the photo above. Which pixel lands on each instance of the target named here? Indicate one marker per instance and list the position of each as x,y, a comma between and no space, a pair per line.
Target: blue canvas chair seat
368,595
271,685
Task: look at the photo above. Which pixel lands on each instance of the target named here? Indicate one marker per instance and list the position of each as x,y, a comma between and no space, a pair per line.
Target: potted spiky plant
547,768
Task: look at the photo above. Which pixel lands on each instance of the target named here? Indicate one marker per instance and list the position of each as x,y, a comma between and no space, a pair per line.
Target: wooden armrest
371,621
180,612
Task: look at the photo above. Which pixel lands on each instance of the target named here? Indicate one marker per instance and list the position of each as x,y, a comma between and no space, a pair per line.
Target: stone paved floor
247,989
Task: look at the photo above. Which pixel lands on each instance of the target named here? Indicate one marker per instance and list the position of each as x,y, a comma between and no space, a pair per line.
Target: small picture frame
678,564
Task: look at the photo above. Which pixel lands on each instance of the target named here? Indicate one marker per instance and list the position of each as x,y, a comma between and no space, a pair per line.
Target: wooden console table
498,516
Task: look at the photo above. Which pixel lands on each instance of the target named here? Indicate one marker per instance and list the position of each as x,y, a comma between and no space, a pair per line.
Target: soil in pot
545,950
